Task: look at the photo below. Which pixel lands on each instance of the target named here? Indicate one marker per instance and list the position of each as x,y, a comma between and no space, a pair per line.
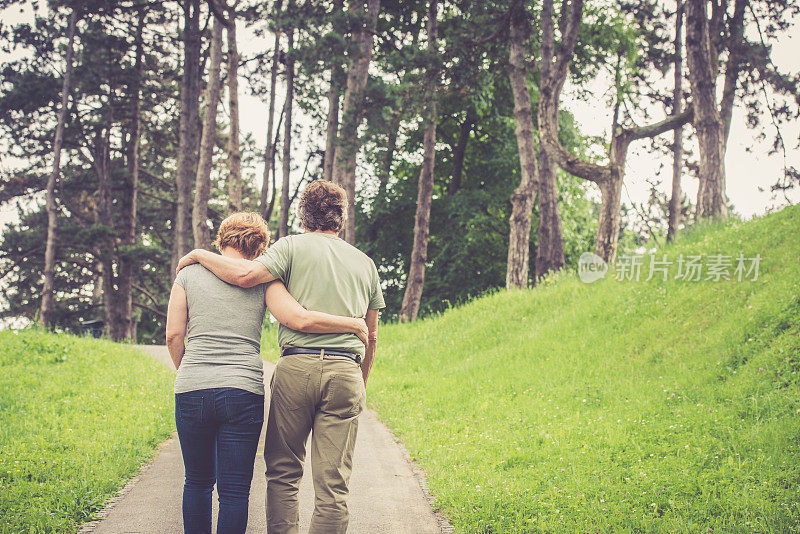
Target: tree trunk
459,152
333,108
388,156
115,322
188,130
46,306
347,144
283,219
202,235
677,143
269,155
333,127
127,259
607,238
419,252
234,152
384,174
550,236
274,188
736,47
708,123
523,197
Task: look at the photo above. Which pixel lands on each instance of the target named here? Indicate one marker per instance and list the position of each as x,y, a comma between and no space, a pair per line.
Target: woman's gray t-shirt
224,334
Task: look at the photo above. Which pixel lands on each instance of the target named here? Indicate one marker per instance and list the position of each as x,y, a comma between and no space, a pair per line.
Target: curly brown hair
245,231
323,206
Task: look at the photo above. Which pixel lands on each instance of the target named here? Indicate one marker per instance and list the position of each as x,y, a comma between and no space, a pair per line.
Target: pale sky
747,172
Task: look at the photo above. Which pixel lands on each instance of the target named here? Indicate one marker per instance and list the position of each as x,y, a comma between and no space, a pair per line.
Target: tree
347,145
550,235
234,152
202,236
718,50
125,327
524,195
189,130
266,204
419,252
115,202
333,100
283,219
459,150
677,143
712,123
46,309
609,177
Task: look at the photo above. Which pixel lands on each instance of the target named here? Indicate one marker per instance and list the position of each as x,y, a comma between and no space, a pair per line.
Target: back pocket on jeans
289,388
346,395
244,407
189,407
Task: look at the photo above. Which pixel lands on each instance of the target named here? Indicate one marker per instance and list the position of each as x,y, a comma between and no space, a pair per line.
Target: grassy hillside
78,417
613,406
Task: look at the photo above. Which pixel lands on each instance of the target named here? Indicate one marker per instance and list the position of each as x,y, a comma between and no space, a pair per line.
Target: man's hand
363,331
185,261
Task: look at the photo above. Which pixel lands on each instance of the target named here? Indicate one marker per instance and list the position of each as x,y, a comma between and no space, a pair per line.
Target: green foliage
614,406
624,41
99,120
468,243
80,417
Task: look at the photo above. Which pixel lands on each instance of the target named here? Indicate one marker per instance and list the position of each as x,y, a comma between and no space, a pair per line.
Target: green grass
269,342
78,417
613,406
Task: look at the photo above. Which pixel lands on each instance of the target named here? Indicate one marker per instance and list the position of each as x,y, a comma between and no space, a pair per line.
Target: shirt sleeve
181,278
376,297
277,259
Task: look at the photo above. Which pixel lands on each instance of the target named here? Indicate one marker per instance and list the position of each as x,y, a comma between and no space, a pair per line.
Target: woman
219,387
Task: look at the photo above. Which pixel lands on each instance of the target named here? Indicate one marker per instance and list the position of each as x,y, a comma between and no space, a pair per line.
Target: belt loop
322,354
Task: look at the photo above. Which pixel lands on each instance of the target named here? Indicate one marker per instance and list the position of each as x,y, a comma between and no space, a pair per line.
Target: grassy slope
616,406
78,417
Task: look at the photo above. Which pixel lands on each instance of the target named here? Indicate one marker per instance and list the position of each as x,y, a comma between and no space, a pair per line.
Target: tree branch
657,128
547,40
148,308
212,5
733,65
553,77
146,293
569,39
501,26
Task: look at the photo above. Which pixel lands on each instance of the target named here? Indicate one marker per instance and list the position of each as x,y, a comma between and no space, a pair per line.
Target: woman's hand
361,329
289,312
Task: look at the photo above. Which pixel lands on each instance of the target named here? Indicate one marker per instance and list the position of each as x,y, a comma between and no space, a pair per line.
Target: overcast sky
749,173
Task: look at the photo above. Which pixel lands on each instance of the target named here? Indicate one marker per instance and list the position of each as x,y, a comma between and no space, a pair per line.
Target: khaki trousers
323,395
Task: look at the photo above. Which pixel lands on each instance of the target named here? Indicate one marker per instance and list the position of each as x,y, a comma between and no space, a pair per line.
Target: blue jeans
218,429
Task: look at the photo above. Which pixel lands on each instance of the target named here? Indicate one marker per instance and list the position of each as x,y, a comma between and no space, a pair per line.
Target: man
317,385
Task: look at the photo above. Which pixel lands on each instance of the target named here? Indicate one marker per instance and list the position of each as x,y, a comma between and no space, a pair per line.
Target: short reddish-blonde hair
245,231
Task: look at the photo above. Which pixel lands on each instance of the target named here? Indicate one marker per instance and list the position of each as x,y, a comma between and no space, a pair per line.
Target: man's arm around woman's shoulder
239,272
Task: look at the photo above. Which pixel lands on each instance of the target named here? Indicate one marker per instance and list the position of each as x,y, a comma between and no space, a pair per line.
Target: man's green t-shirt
326,274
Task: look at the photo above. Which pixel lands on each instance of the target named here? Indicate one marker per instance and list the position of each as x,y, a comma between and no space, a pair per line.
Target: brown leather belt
289,351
